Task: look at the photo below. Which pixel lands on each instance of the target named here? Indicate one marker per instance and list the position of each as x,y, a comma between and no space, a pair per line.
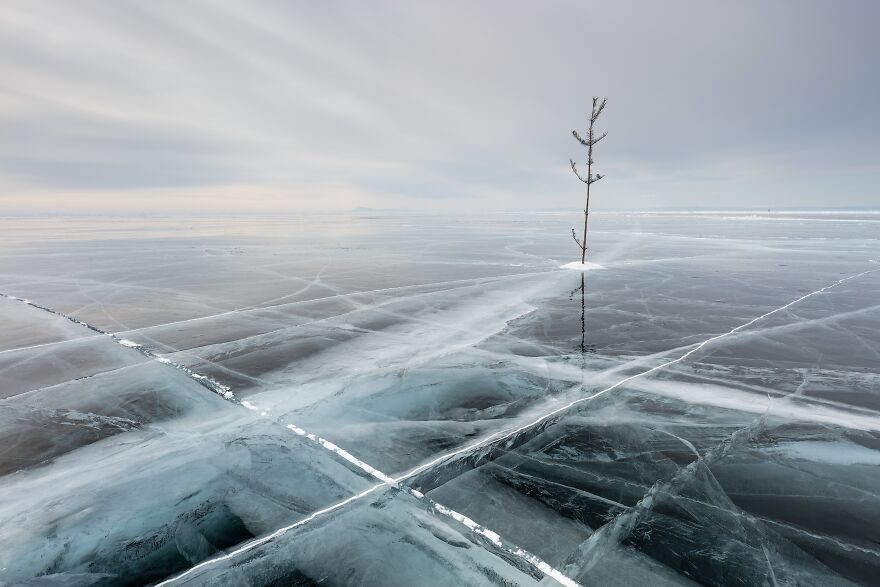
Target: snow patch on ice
578,266
469,523
372,471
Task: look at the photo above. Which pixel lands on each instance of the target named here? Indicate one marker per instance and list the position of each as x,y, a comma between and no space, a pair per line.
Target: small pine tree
590,179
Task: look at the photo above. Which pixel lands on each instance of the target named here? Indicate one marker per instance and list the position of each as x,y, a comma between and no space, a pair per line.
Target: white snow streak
345,455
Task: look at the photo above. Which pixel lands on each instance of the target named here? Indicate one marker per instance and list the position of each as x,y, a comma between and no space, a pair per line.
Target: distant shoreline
363,213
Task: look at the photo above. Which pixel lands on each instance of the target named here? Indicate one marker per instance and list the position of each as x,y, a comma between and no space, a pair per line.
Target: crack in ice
246,309
203,380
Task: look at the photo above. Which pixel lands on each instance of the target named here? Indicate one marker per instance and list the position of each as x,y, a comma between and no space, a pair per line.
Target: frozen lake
394,399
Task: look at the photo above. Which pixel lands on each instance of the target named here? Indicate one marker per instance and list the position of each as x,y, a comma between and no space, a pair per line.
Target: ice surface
400,400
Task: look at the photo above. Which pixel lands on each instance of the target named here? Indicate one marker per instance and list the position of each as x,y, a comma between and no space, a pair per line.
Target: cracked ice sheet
587,471
148,502
383,375
191,269
386,539
805,539
362,388
68,351
32,330
381,392
43,424
30,369
311,333
60,396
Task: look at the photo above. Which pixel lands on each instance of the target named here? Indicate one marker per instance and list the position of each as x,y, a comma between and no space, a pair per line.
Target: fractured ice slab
146,503
401,340
385,540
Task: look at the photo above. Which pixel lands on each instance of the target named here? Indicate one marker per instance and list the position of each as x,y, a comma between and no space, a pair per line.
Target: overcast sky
293,106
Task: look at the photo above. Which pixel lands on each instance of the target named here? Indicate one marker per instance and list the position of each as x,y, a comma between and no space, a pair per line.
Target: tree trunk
589,181
586,218
591,140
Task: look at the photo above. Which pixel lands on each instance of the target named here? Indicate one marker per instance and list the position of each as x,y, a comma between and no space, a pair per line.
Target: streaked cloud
294,106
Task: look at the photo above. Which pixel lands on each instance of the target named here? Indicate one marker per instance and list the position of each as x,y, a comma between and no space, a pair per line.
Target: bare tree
591,140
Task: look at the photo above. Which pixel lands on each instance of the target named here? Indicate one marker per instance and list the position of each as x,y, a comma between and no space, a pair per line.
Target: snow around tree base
578,266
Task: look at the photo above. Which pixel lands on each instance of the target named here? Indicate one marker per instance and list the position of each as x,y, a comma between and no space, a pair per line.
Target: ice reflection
584,347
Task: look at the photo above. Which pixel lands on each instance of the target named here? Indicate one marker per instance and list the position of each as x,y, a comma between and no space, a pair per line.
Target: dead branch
574,168
588,142
597,112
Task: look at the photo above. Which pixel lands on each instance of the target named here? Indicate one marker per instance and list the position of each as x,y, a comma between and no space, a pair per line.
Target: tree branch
588,142
597,111
573,168
596,140
574,236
